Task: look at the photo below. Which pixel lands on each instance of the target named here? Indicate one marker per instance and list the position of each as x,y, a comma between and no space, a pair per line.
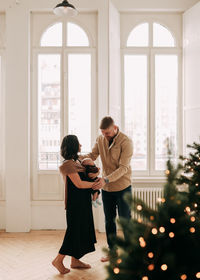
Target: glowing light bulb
198,275
172,220
195,205
151,218
167,172
139,207
187,209
171,235
150,255
162,229
145,278
154,231
192,230
119,261
164,267
116,270
183,277
192,219
151,267
142,242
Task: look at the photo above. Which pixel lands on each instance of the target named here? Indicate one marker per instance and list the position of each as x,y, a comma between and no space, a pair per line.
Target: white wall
154,5
191,54
114,64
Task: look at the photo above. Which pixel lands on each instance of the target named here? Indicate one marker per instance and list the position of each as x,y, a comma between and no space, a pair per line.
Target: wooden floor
28,256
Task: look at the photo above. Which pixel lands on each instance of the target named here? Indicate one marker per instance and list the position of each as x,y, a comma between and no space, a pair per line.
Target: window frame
63,51
2,121
151,51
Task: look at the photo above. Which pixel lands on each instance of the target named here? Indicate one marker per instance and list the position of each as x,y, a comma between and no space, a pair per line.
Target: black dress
80,234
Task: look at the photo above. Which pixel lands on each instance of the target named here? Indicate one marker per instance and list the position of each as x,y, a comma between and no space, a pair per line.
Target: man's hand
99,184
93,175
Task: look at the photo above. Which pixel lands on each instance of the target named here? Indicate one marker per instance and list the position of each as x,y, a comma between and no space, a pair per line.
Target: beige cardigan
115,160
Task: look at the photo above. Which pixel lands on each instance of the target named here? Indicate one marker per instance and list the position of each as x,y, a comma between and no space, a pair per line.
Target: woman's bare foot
58,264
79,265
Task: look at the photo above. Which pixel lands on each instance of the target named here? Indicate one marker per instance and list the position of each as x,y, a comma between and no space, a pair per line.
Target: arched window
76,36
64,88
52,37
162,37
139,36
151,79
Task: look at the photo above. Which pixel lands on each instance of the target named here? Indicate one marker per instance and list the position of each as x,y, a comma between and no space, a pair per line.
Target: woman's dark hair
70,147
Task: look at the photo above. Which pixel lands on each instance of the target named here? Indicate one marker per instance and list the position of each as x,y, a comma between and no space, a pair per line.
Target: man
115,150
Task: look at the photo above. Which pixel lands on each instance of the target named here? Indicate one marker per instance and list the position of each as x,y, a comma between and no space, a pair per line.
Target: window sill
150,179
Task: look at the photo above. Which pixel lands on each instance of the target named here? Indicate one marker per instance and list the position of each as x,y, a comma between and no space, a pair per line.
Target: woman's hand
99,184
94,175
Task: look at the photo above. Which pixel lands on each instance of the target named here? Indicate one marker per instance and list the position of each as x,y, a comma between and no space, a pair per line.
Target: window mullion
152,114
65,92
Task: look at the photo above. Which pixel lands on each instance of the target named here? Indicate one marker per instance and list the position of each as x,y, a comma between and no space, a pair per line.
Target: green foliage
165,243
191,176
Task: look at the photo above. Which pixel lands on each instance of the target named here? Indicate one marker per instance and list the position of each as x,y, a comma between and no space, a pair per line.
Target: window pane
49,110
139,36
52,37
166,89
1,123
162,37
76,36
136,107
79,77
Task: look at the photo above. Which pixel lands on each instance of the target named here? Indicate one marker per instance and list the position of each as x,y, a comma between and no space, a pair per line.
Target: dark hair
70,147
106,122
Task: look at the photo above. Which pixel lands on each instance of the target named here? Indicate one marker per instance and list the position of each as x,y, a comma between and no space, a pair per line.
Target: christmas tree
191,176
163,244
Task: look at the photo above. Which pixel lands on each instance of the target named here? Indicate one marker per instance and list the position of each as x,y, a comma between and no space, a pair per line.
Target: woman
80,234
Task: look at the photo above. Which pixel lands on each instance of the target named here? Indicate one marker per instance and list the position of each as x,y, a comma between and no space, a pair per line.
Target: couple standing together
115,150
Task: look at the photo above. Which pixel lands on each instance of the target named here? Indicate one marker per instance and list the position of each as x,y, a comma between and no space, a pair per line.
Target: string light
196,184
139,207
150,255
142,242
172,220
151,218
151,267
154,231
164,267
187,209
116,270
171,235
195,205
162,229
119,261
183,277
198,275
192,219
140,220
167,172
145,278
192,230
161,199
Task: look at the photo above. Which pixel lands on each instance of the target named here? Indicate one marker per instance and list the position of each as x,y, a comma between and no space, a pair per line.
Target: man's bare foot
60,266
105,259
79,265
